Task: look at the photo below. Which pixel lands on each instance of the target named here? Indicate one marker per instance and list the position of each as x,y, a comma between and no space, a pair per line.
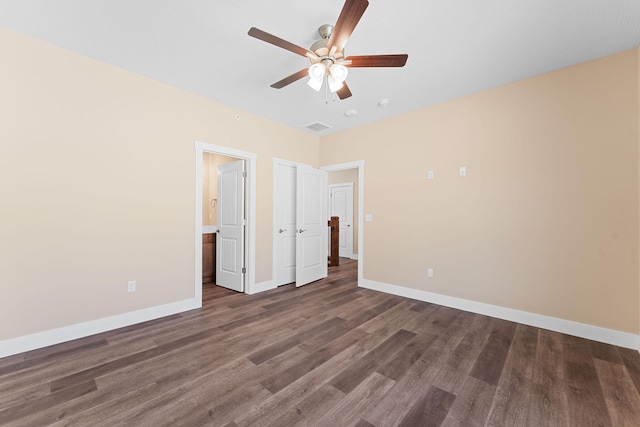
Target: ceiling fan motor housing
325,32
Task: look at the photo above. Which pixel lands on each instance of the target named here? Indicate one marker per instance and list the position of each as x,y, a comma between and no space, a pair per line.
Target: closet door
284,214
311,223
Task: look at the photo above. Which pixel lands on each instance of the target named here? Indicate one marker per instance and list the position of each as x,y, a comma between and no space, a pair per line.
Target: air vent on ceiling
317,127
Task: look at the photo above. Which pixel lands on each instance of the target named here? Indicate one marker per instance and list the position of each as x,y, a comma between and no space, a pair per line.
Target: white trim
263,286
354,256
81,330
289,162
358,164
596,333
250,207
199,230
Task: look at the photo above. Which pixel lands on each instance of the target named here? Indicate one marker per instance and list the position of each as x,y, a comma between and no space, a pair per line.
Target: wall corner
638,168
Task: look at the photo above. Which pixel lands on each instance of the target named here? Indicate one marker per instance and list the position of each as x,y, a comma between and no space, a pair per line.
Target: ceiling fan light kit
316,76
339,72
334,84
335,76
327,55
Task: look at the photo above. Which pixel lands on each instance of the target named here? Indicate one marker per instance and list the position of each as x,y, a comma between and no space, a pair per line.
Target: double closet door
300,223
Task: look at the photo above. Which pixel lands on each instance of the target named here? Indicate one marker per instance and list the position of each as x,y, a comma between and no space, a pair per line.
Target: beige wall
210,163
342,177
546,220
97,185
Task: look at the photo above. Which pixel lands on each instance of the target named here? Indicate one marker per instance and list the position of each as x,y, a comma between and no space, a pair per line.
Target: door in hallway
341,205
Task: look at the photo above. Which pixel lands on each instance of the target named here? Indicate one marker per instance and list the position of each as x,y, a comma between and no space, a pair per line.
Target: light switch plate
368,217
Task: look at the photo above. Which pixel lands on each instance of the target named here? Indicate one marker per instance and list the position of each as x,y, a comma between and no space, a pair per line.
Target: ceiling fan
328,63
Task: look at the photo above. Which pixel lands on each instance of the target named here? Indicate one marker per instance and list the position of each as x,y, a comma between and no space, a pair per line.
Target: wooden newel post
334,250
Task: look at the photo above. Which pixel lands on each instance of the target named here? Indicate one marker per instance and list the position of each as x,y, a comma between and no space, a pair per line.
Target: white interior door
342,206
312,229
230,221
284,181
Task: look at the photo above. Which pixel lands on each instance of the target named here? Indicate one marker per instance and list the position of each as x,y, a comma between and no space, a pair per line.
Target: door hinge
244,174
244,270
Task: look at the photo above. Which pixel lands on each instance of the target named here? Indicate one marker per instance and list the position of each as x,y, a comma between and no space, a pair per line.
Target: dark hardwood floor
326,354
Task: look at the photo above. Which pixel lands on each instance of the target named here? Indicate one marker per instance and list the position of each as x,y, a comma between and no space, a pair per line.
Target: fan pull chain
326,88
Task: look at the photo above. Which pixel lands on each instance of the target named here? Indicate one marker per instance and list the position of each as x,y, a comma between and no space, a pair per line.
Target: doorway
247,254
211,214
358,223
341,205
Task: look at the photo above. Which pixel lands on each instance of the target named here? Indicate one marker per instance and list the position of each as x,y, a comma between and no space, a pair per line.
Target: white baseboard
80,330
262,286
68,333
354,256
582,330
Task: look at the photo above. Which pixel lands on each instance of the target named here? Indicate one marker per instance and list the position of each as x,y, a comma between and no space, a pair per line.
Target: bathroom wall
210,163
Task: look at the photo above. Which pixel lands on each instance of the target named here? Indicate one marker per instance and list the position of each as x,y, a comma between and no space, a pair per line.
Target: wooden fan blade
349,17
277,41
292,78
344,92
377,60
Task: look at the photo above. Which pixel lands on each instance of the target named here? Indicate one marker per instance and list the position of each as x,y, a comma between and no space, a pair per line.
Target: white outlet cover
430,174
131,286
368,217
429,272
463,171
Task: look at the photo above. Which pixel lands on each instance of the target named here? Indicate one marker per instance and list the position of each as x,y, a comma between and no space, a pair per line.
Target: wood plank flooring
326,354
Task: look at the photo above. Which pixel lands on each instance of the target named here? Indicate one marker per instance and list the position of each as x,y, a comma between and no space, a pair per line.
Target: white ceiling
455,47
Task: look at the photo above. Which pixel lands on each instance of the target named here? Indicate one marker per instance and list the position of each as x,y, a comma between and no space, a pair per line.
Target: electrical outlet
463,171
131,286
430,174
429,272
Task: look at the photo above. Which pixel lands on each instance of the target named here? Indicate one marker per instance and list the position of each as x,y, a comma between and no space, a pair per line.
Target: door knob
282,230
218,230
301,230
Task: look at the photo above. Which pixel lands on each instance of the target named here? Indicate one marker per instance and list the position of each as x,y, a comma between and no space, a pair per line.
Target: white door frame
358,164
250,207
